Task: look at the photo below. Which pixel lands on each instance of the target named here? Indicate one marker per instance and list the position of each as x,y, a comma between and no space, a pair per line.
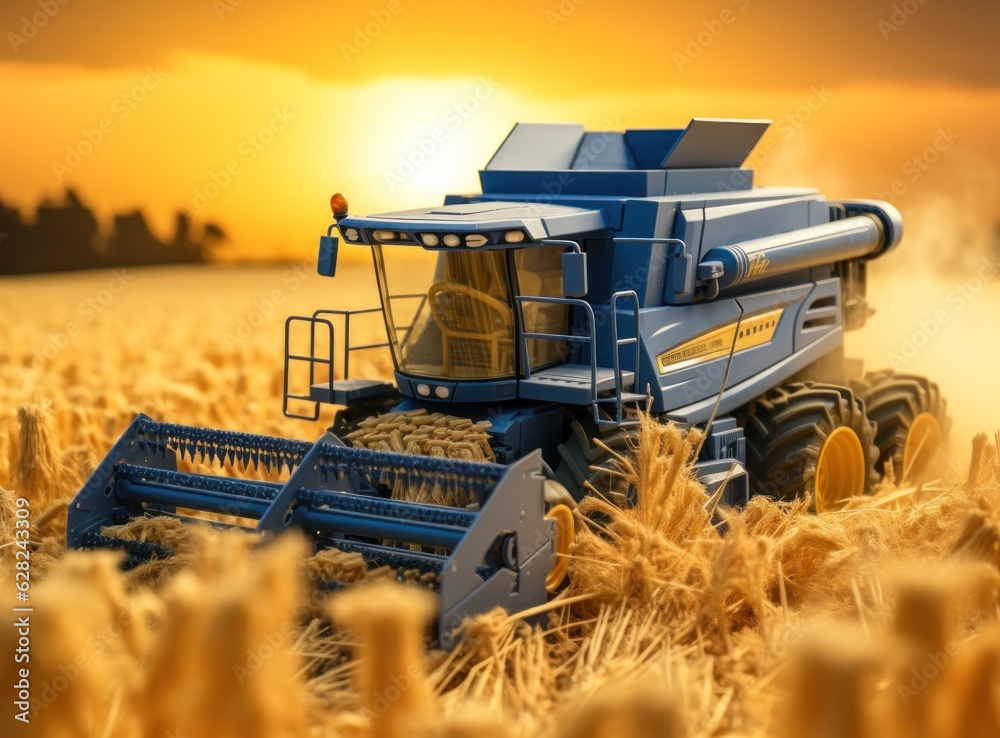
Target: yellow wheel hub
922,442
840,470
565,535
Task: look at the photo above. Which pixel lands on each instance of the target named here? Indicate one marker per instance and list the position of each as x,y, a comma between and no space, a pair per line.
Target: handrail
634,298
316,321
312,361
587,339
590,339
558,336
348,348
656,239
617,344
679,279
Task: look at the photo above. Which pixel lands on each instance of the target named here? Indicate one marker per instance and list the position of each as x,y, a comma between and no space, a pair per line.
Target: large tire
579,453
585,466
895,402
788,428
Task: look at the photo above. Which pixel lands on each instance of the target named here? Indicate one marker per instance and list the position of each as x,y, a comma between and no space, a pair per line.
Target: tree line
66,236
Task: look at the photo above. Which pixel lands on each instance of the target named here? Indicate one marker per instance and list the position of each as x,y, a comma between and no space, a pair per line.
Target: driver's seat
477,330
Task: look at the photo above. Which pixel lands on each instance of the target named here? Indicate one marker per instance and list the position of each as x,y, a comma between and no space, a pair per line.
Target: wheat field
880,619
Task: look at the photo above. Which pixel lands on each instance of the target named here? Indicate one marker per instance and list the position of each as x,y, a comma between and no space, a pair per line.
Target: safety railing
588,339
348,348
320,327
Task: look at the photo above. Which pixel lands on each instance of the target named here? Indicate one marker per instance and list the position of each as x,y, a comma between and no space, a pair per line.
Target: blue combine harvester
598,273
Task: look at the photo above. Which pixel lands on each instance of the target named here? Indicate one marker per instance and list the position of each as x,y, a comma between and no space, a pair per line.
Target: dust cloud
943,327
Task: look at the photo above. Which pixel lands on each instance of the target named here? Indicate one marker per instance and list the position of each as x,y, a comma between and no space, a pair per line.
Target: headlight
384,235
452,240
351,234
475,240
513,236
430,239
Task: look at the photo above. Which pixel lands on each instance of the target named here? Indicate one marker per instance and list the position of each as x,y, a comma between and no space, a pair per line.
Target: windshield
450,313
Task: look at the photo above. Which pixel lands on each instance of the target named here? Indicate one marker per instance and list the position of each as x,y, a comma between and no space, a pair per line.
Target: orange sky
253,113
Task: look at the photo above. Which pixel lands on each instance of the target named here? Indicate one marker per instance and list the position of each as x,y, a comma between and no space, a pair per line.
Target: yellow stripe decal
753,331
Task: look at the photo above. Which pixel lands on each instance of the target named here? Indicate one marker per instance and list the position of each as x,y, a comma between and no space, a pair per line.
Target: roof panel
715,142
603,151
534,146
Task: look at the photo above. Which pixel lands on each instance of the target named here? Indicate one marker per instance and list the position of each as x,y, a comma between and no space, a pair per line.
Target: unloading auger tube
498,552
870,229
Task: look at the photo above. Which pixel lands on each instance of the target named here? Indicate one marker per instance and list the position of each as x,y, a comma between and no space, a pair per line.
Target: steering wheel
451,321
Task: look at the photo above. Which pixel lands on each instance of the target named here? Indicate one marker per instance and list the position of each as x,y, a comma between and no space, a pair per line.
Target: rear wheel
812,439
584,463
912,421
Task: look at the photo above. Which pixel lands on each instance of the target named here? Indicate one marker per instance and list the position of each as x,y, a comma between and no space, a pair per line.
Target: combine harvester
597,274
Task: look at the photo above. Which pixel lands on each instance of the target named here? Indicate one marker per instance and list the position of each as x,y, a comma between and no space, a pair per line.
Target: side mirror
574,273
326,264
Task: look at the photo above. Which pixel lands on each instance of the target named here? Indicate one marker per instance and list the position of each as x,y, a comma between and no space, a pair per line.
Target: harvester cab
598,273
483,305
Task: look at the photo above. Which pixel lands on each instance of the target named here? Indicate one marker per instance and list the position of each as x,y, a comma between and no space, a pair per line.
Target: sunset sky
252,114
